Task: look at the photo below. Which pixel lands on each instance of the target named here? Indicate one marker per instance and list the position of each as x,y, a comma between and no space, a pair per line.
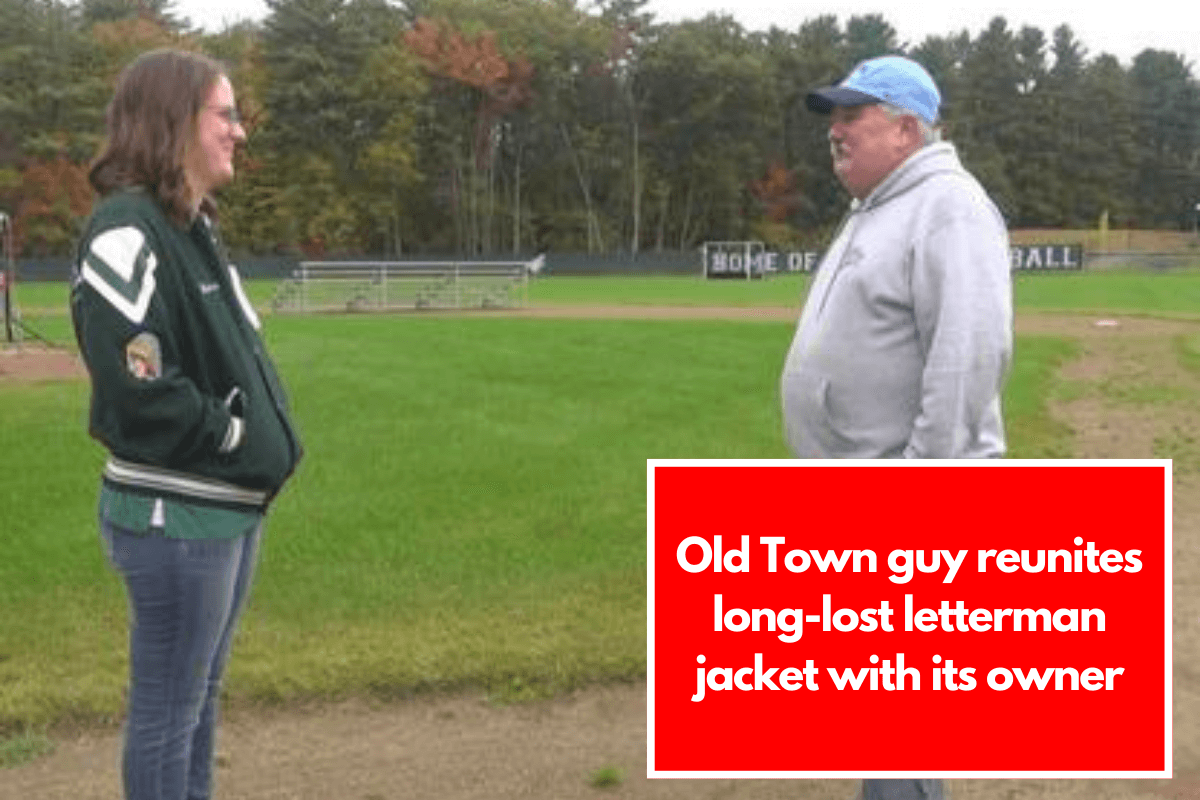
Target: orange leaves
475,62
47,183
134,33
506,84
777,192
125,39
52,193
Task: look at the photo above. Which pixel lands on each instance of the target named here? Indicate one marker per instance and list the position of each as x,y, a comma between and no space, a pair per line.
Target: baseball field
469,519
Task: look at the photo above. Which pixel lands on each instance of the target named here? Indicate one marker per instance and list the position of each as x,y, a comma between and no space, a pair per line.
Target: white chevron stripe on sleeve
243,300
129,284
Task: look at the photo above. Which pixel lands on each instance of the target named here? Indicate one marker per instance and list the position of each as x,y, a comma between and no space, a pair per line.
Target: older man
906,335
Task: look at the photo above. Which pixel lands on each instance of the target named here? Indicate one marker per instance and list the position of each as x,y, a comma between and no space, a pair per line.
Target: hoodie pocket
835,416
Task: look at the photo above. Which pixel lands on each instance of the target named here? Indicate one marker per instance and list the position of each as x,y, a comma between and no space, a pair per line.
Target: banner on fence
752,260
990,619
1047,256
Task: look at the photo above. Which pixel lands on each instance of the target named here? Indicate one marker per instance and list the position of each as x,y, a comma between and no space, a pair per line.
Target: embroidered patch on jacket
120,266
143,357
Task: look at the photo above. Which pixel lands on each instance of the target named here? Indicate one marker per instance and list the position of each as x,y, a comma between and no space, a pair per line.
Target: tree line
500,127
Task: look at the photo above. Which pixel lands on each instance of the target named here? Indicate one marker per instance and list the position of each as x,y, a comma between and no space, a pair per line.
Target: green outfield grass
1167,293
782,290
471,510
1174,292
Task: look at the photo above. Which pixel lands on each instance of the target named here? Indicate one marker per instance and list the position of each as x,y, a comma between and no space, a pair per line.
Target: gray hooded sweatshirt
906,335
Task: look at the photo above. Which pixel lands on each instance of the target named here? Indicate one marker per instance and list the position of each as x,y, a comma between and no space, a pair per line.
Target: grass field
1164,293
471,510
1167,292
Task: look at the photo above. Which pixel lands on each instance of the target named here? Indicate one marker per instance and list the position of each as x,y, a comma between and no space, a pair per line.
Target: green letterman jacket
184,396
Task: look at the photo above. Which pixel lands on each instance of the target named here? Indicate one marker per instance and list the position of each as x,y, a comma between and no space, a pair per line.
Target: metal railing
392,285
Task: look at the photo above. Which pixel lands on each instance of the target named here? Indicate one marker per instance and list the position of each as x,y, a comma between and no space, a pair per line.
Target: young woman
186,401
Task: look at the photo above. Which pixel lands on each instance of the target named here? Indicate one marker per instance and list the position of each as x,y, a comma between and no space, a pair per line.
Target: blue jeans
185,596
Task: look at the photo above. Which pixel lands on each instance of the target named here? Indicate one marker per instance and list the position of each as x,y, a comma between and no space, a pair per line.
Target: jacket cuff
234,435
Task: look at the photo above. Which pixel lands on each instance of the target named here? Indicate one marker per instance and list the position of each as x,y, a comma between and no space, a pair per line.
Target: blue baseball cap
888,79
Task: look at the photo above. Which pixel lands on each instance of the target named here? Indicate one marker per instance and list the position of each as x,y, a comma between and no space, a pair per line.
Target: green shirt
136,513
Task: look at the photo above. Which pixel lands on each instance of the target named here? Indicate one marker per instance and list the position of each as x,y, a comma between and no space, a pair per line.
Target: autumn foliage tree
55,197
778,196
480,127
495,86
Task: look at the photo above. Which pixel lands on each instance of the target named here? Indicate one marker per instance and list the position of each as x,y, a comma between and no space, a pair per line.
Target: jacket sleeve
144,405
962,303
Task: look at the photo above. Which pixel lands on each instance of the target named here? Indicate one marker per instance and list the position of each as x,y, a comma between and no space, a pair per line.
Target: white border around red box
1166,773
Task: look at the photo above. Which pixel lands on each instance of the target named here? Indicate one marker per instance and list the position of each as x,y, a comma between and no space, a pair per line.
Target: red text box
931,619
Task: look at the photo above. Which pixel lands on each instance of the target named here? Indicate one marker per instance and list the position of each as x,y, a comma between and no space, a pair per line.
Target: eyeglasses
228,113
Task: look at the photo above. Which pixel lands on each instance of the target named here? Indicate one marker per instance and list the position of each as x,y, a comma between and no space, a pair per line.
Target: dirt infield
38,363
463,748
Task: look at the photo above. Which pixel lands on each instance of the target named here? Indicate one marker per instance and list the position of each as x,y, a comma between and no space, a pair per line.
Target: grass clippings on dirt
1031,429
1134,393
606,778
24,748
1187,350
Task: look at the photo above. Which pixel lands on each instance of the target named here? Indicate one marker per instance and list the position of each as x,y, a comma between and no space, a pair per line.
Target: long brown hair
151,121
